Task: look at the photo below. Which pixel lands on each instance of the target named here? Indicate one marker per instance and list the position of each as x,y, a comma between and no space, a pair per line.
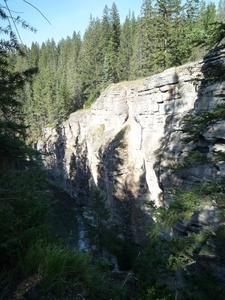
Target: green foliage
97,218
23,212
158,292
191,160
13,149
125,50
151,269
144,43
102,234
204,286
194,128
221,11
106,80
169,256
164,36
114,42
213,36
73,72
59,267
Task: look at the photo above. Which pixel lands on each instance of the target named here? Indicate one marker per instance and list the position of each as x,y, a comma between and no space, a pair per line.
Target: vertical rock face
129,135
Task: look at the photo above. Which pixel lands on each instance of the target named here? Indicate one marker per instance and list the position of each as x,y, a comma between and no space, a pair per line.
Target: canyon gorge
130,135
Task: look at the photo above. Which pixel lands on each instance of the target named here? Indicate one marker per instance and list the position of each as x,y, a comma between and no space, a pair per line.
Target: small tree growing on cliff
97,219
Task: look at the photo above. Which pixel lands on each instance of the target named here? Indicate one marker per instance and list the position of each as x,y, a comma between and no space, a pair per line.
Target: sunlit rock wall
129,135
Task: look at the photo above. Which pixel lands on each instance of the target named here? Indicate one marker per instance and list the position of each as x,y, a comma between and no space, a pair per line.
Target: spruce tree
106,79
113,46
33,55
125,50
97,216
106,29
91,60
74,83
144,45
180,47
204,33
221,11
168,31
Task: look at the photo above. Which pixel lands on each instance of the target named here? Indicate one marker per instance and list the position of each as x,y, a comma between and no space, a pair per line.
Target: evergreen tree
91,60
113,45
180,48
167,31
125,51
74,82
106,29
106,36
203,31
12,128
115,26
106,80
144,45
33,55
191,14
97,217
221,11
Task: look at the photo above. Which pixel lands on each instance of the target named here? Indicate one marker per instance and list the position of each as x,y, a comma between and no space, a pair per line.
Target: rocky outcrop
129,135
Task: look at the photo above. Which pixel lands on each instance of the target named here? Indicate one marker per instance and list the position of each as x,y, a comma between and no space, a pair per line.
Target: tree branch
38,11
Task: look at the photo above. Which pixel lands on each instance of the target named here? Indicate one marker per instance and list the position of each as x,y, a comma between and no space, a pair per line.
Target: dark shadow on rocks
75,179
56,153
115,178
69,187
79,176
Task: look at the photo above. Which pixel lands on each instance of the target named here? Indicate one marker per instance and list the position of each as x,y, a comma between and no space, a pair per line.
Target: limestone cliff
129,135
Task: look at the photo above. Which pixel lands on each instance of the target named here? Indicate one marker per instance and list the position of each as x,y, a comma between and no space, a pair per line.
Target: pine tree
106,29
97,217
115,26
12,128
33,55
74,82
180,47
125,51
221,11
113,45
106,80
167,31
144,45
204,35
91,60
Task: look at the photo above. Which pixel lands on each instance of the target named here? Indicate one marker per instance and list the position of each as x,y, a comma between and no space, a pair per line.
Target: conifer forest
75,71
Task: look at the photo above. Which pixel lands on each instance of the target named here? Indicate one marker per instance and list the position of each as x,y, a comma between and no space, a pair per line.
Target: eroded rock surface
129,135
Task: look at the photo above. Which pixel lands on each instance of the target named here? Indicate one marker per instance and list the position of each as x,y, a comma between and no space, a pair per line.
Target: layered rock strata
129,135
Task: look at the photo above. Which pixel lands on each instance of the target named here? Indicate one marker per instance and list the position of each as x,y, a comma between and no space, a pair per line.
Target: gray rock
128,137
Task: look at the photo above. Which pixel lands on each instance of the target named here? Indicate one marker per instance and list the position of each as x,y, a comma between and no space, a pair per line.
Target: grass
59,267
